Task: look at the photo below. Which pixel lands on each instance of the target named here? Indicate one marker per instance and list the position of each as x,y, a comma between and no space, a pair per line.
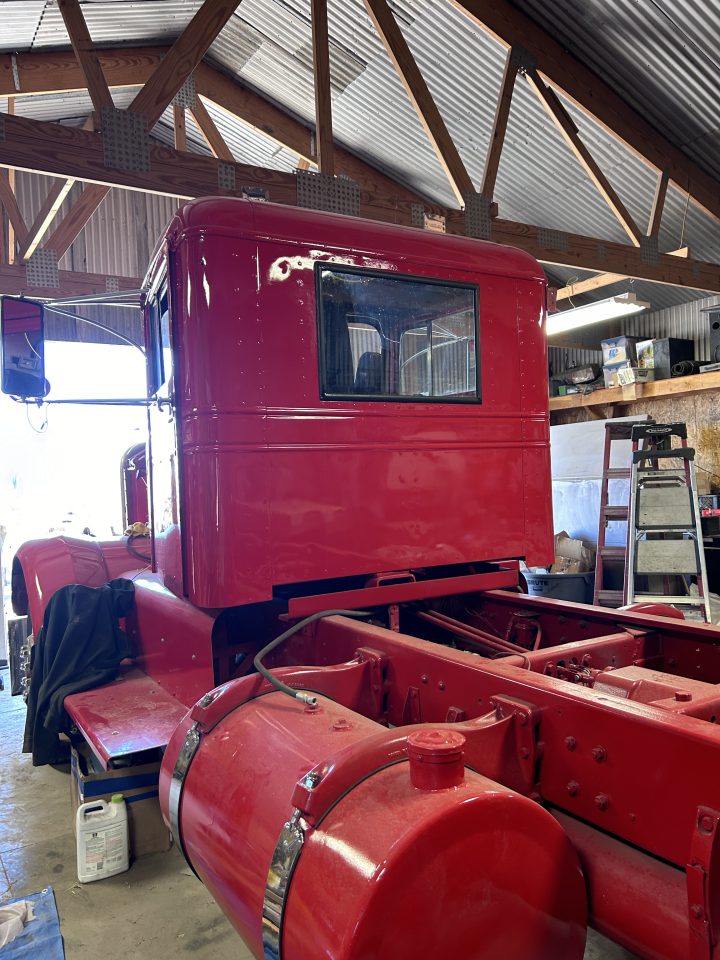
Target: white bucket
102,839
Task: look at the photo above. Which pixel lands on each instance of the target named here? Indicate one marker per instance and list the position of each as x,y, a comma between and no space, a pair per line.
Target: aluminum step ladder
610,560
665,541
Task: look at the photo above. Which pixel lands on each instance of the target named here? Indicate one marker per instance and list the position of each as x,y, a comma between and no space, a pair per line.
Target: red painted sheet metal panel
126,717
281,487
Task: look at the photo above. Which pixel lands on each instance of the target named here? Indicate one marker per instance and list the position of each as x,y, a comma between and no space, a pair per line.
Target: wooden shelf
617,396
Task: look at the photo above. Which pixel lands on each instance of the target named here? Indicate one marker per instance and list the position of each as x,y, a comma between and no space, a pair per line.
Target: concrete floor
158,909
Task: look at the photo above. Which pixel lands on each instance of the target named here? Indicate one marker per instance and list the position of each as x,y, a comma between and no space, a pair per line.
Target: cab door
164,467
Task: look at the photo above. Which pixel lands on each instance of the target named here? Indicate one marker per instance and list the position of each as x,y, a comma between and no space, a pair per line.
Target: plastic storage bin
576,587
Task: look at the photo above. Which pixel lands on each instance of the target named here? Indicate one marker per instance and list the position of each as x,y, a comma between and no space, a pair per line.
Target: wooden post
323,101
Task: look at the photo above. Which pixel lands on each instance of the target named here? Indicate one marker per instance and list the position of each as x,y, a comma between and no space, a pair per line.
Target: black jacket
79,646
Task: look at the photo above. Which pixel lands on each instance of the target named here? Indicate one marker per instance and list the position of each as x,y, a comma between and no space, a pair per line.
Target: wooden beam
9,201
605,279
497,137
420,96
212,136
11,238
563,121
155,96
323,99
87,59
658,204
67,151
594,96
73,283
179,128
47,213
75,220
182,58
587,286
58,71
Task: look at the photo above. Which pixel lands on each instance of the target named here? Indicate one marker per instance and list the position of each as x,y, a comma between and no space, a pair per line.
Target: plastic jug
102,839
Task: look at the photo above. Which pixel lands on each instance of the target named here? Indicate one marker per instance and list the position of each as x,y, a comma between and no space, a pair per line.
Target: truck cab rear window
389,337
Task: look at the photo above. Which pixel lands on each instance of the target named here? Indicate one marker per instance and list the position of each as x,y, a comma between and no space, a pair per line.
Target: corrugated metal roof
646,49
662,56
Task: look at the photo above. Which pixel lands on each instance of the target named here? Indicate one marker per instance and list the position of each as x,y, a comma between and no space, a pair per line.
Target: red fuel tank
315,847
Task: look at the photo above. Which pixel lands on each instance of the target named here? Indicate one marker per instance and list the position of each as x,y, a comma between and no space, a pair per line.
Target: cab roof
259,219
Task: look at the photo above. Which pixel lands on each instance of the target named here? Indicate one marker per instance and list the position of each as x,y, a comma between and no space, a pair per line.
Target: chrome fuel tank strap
285,857
182,765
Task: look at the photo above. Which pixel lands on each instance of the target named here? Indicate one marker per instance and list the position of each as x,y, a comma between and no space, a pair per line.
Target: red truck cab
338,406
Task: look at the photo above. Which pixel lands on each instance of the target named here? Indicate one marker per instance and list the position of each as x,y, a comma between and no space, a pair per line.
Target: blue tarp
40,939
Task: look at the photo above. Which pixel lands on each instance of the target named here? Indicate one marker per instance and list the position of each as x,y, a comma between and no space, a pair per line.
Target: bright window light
613,308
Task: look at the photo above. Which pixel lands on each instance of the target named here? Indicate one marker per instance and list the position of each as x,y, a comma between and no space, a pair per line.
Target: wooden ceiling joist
208,128
658,204
500,122
323,99
47,213
153,99
9,201
421,98
594,96
86,57
73,283
182,58
605,279
179,128
563,121
67,151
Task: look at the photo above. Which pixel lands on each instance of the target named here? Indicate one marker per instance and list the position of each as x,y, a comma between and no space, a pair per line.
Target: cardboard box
619,350
628,375
662,354
612,374
139,786
571,555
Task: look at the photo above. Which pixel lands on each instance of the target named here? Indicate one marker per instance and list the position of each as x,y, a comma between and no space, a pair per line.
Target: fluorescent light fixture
613,308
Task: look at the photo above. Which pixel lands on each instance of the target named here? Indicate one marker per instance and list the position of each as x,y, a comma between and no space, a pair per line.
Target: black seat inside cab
369,375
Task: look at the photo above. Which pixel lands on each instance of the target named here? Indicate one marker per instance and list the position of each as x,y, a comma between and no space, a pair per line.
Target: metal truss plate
478,222
126,144
226,176
522,58
41,270
552,239
649,249
112,284
318,191
187,94
417,215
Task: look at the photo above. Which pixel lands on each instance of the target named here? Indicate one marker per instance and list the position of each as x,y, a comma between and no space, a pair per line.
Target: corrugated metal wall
684,320
117,241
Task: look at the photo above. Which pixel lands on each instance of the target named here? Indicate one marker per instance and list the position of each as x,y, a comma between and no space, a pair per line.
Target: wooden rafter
67,151
604,279
74,221
212,136
84,51
658,204
497,136
563,121
420,96
11,238
179,128
323,99
9,201
155,96
182,58
47,213
594,96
